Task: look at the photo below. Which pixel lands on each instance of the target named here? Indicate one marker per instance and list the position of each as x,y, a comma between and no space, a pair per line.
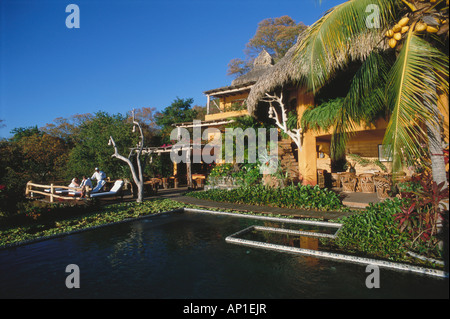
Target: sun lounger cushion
117,186
114,190
57,190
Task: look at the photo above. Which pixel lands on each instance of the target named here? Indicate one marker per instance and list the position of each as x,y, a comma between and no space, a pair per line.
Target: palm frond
323,116
418,65
366,96
339,36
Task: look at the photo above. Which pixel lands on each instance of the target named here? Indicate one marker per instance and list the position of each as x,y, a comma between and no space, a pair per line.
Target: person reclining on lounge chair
75,182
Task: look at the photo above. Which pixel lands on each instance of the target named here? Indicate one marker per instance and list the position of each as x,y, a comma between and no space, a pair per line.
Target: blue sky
126,54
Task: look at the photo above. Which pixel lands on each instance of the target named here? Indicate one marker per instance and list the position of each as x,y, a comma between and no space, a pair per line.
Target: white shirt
99,176
87,182
73,183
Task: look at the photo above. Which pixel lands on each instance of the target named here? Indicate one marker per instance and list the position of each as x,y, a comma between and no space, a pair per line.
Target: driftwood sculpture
137,176
294,134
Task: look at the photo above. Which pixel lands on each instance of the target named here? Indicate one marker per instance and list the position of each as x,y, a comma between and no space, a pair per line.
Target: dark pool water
184,255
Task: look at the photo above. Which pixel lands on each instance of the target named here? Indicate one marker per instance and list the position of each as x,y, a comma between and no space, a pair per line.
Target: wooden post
188,168
27,189
52,191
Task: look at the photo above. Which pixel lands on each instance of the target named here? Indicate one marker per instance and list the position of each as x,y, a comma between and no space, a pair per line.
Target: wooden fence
50,191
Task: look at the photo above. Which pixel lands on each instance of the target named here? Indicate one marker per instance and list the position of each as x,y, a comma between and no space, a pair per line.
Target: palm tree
403,71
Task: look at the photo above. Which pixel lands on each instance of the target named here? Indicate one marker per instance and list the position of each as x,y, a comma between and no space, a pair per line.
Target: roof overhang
230,90
203,123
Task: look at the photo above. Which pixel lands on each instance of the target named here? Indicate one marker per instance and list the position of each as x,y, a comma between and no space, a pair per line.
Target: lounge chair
97,189
115,190
58,191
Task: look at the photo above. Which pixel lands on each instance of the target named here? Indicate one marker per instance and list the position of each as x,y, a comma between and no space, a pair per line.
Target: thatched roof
281,73
290,70
261,64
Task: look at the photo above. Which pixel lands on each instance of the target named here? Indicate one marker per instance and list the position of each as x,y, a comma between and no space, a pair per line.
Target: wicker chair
366,183
348,182
321,178
335,180
383,184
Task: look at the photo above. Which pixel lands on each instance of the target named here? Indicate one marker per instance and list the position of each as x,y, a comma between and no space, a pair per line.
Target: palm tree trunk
435,142
436,154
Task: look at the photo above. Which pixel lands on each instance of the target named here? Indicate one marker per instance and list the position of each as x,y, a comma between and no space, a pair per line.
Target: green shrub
301,196
375,231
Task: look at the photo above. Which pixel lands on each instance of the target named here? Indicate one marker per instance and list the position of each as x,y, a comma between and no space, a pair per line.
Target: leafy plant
422,210
375,231
300,196
365,161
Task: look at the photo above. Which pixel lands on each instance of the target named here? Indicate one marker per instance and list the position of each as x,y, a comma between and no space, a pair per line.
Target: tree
146,118
92,148
67,129
178,112
44,156
408,88
238,67
20,132
138,176
275,35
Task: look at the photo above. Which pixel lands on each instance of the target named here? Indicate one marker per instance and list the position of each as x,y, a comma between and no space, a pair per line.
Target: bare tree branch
294,134
138,178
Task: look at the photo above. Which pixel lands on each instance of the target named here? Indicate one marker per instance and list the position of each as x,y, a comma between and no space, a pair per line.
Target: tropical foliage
74,146
301,196
375,231
422,212
179,111
405,80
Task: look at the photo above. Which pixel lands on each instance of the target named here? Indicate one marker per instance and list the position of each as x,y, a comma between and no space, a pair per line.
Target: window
384,153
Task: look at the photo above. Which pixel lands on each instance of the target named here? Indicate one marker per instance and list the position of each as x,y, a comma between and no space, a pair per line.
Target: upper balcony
226,108
229,101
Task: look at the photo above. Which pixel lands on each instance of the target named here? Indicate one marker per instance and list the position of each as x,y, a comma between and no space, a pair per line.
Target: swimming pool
186,255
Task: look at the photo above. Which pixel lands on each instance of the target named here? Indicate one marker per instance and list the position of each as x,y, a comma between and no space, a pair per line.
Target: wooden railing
33,188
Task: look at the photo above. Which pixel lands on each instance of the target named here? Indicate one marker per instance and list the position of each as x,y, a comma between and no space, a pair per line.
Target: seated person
98,175
75,182
86,182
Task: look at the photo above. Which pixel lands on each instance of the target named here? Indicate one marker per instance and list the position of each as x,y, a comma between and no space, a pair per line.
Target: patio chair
383,185
348,182
115,190
366,183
